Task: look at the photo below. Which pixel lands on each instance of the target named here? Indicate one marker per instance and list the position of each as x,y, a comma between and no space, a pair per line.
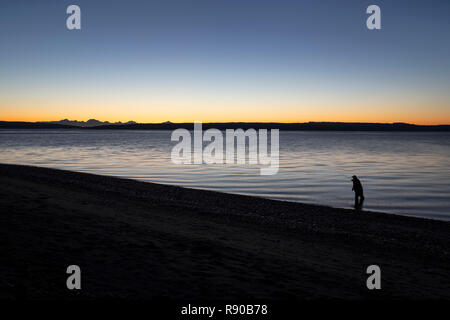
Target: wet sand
136,240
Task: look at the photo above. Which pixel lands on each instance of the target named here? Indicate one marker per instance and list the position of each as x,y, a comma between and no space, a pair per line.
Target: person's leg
362,200
356,200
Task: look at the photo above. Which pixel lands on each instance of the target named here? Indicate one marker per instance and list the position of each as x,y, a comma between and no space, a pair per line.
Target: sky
225,60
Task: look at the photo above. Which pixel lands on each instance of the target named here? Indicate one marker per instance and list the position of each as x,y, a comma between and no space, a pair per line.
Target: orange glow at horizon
43,117
209,110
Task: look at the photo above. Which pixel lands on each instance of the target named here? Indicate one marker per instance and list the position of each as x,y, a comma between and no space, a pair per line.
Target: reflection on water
407,173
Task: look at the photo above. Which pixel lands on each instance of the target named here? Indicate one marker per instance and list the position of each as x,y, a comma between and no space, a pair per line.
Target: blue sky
226,61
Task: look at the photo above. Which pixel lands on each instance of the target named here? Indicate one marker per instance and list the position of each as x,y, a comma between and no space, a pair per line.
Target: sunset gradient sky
226,60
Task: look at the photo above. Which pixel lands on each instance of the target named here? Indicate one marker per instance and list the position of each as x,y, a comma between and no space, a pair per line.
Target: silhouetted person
359,193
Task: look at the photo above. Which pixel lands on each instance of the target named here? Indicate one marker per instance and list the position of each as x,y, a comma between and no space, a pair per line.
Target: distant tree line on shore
307,126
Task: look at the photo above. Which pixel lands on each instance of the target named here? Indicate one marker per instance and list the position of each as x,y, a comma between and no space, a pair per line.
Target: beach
138,240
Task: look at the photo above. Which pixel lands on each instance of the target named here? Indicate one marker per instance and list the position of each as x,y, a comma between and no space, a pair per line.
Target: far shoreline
306,126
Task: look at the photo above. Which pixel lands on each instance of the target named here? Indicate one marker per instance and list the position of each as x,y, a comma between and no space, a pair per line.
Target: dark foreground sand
141,240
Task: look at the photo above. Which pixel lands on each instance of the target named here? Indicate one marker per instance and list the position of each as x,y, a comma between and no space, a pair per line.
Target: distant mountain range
93,124
87,124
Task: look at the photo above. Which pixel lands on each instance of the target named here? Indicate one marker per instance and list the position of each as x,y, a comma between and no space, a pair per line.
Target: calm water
404,173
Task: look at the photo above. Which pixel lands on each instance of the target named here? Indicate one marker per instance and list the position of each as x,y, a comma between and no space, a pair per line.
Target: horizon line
131,122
